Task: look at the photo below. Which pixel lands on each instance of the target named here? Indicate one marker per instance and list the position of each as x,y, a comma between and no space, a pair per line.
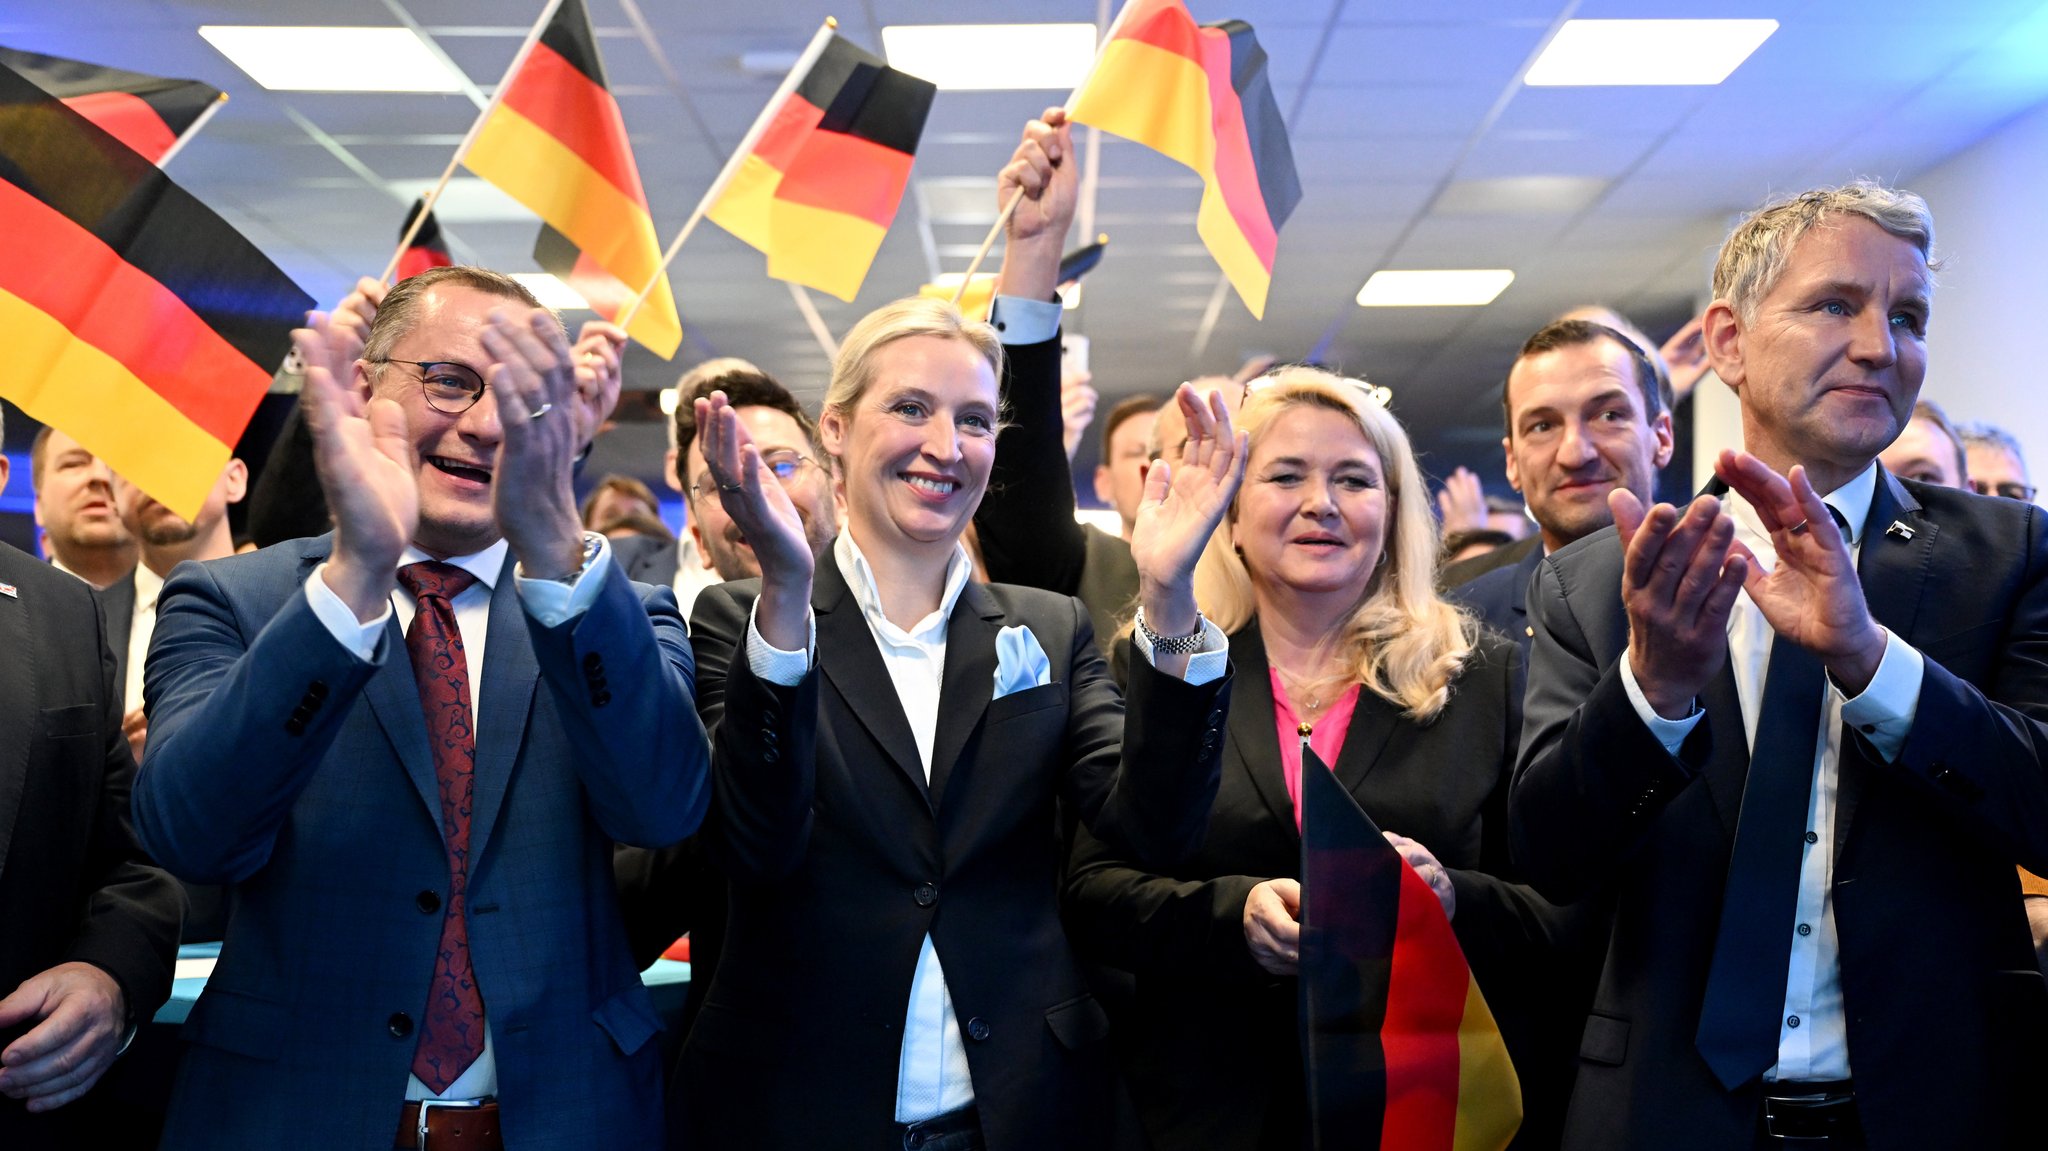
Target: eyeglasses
785,464
2012,491
450,388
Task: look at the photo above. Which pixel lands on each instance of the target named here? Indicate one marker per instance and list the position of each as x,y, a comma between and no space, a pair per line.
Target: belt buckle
1806,1103
427,1105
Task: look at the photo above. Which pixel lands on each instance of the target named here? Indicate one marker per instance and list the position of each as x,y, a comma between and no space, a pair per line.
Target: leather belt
1811,1115
450,1125
926,1131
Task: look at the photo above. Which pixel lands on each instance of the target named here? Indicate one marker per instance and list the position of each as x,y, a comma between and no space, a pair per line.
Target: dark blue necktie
1739,1018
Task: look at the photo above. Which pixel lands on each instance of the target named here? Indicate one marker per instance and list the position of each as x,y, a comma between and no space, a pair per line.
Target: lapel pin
8,590
1900,530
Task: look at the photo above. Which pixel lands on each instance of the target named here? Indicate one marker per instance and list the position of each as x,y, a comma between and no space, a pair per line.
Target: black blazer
1500,598
74,885
1947,1018
1506,555
646,559
117,603
842,859
1214,1048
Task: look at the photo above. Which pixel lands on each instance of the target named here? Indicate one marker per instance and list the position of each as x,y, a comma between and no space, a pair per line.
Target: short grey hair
401,307
1977,434
1754,255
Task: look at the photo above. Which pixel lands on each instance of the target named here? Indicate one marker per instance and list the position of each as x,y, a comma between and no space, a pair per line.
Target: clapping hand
763,512
1811,595
533,375
1180,511
1679,580
599,347
365,458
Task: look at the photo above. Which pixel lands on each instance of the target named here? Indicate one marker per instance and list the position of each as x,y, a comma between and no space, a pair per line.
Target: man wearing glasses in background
789,445
1997,466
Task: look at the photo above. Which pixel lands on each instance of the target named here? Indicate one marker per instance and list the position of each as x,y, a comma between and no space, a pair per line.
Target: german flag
821,187
1401,1050
150,114
427,250
134,319
1199,95
556,143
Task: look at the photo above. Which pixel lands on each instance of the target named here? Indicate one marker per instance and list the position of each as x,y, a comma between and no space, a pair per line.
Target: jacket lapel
17,685
394,697
1893,571
509,674
1252,727
1372,724
847,653
968,683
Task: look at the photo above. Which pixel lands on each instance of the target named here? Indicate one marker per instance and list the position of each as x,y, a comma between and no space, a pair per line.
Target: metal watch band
1173,645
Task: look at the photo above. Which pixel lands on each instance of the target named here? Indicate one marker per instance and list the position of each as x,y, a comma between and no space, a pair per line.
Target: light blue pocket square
1020,662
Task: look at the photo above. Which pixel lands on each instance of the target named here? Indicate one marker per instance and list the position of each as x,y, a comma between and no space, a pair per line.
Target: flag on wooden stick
554,141
152,114
135,320
1200,95
821,185
1401,1050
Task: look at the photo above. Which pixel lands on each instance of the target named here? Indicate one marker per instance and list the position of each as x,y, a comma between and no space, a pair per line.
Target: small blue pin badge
1900,530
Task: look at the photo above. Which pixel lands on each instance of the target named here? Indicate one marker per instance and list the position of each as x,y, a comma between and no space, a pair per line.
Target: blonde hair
853,371
1402,642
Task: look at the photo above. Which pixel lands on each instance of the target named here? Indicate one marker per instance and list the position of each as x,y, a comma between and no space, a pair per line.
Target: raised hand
533,375
763,512
1077,407
364,456
599,347
1685,357
1272,929
1811,595
1461,502
1181,509
1679,579
358,309
1045,168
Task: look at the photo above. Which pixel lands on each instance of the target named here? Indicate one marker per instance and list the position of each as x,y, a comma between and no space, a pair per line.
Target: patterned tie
452,1035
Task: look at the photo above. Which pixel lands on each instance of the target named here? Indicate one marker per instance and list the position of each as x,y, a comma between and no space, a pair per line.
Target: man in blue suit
425,948
1586,415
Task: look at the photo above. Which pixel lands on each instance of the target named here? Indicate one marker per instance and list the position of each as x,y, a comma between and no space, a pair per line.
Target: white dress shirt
692,577
1812,1033
549,602
148,586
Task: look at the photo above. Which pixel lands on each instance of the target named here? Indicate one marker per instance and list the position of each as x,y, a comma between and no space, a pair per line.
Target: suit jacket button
600,698
925,894
400,1024
771,755
592,661
428,902
977,1029
317,690
295,726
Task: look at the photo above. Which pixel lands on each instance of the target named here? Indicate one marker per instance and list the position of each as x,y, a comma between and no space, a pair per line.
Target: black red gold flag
556,142
151,114
135,320
821,187
427,250
1401,1050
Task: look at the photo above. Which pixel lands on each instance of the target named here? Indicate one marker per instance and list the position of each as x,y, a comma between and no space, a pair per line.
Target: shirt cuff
1205,665
1884,710
1025,321
1669,732
358,637
555,603
773,665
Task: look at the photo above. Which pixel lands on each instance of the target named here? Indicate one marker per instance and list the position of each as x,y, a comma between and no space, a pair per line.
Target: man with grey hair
1799,763
1997,465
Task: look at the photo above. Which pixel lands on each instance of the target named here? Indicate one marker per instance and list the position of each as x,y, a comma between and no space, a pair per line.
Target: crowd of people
984,825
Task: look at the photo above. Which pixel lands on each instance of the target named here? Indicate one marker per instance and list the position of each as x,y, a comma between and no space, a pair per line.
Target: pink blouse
1327,739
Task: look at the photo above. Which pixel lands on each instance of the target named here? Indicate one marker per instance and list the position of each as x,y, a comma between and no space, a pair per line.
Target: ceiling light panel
965,57
315,59
1465,288
1647,52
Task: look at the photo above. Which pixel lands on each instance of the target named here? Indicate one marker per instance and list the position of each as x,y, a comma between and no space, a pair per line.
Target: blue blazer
281,764
1500,598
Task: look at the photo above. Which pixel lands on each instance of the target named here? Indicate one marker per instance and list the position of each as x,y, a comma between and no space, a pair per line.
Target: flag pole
812,51
185,137
816,322
497,97
1017,197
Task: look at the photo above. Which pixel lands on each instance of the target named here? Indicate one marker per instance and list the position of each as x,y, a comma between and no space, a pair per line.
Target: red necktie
452,1035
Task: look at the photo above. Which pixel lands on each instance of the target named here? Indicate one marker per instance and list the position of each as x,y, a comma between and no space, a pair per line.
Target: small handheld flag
136,320
821,185
554,140
1400,1048
152,114
426,249
1200,95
